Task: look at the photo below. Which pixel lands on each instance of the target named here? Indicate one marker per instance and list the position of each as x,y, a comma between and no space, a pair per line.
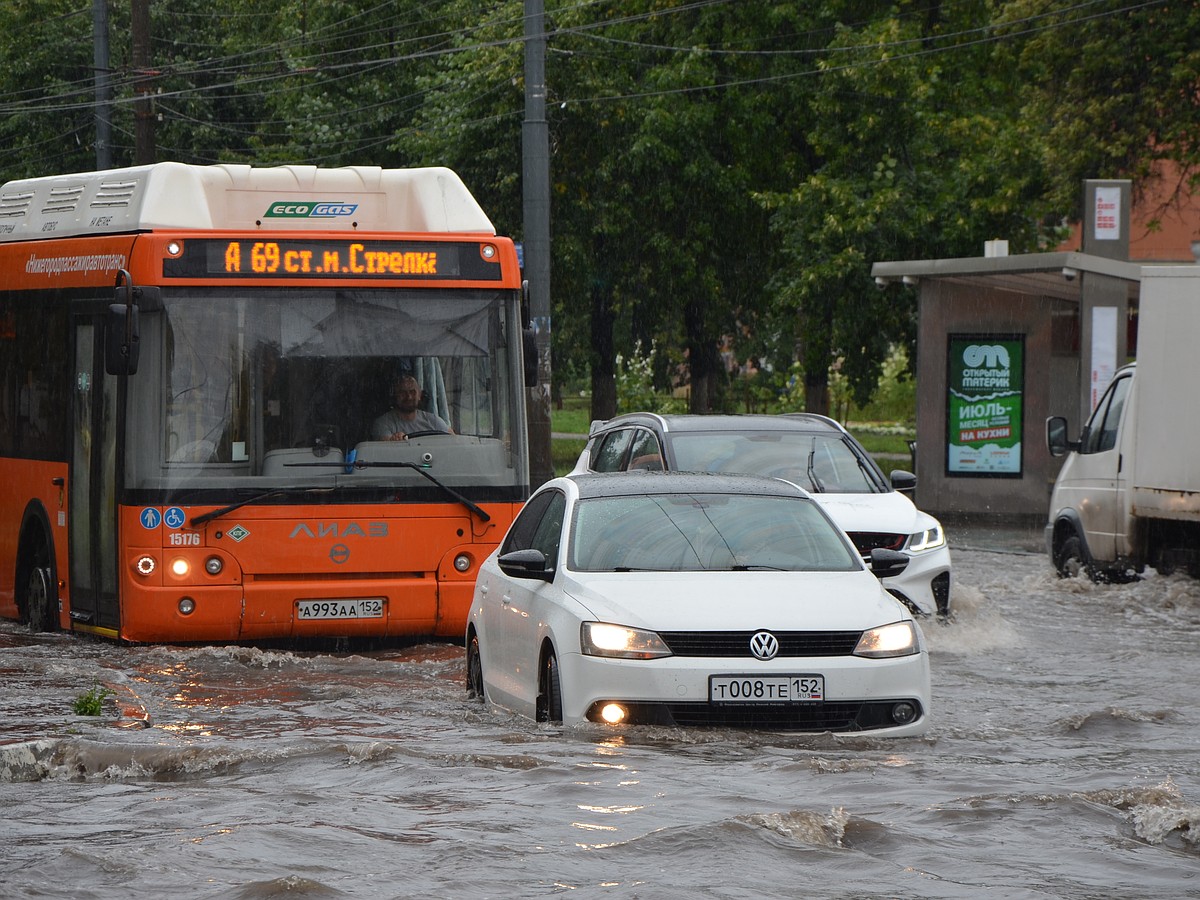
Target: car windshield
816,462
705,532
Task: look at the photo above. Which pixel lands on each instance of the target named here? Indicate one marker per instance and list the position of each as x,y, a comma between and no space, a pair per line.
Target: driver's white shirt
391,422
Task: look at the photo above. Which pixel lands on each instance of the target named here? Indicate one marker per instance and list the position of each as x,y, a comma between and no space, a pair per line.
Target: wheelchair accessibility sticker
173,517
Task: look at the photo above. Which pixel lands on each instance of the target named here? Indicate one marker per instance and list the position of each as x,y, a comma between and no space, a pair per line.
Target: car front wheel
550,695
474,669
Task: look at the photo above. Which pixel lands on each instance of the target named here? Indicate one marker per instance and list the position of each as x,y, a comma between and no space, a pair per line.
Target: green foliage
1114,89
723,175
91,702
635,384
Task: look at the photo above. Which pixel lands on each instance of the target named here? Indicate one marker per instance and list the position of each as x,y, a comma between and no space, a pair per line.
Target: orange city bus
191,361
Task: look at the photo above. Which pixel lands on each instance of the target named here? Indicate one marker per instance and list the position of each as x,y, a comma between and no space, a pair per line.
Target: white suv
812,451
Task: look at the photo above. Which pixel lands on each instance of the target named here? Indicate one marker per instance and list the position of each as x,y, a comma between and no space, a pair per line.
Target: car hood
735,601
891,513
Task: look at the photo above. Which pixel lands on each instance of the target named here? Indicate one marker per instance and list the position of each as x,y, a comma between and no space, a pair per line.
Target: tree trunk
703,360
816,392
603,359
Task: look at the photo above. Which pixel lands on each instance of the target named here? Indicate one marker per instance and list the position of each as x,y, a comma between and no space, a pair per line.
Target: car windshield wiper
197,521
750,567
812,469
353,463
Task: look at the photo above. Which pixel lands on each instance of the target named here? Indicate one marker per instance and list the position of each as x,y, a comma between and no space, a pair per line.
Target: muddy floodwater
1064,761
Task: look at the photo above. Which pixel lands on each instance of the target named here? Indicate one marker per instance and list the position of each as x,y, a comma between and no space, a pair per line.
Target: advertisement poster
985,404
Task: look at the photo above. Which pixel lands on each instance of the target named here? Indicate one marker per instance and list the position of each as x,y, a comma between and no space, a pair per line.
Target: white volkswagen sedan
693,599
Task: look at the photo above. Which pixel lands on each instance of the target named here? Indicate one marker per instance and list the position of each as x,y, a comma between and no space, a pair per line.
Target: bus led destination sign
322,259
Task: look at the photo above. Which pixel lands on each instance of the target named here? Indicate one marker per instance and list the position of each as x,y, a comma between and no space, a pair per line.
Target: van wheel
1070,560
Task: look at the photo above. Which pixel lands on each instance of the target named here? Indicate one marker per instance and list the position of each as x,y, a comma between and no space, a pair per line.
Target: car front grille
860,715
736,644
866,541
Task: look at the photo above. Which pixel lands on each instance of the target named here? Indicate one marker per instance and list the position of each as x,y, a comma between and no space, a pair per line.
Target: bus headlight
180,567
145,565
462,562
213,565
186,606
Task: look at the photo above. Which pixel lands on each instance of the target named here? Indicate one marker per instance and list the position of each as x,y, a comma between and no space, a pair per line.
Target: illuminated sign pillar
1103,302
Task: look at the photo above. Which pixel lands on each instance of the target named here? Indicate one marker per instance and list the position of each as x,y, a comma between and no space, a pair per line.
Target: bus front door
93,510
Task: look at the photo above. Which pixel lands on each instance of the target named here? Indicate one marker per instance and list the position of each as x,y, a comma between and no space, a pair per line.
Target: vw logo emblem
764,645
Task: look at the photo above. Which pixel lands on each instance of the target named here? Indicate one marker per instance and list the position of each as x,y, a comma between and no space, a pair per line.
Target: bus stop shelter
1003,342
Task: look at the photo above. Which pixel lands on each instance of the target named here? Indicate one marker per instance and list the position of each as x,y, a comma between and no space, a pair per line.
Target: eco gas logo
310,209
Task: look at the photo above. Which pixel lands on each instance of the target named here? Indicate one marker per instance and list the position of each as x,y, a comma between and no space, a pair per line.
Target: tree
917,152
47,88
1117,87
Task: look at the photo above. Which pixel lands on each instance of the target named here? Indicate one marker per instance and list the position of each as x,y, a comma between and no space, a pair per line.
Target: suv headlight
929,539
619,642
886,641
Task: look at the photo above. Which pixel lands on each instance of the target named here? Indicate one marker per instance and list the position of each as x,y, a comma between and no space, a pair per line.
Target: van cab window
1102,427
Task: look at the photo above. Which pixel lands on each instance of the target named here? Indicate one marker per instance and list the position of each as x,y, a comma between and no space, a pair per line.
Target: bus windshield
276,387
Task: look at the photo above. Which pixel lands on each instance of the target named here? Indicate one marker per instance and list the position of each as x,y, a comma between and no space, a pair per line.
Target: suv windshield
817,462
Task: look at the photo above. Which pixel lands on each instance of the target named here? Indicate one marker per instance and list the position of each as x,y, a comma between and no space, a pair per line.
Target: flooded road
1064,761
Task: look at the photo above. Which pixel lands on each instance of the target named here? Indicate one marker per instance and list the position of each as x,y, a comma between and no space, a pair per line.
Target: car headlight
897,639
929,539
619,642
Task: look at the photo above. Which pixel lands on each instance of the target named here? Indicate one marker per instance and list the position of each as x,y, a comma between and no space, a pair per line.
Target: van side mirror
1057,441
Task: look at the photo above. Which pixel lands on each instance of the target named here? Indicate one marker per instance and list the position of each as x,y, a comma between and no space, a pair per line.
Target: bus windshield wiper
197,521
352,463
420,469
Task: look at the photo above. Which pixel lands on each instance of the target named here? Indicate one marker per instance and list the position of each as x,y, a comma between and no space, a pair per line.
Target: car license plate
358,608
766,688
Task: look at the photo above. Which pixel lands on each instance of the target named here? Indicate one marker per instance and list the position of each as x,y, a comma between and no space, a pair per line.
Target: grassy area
574,418
564,452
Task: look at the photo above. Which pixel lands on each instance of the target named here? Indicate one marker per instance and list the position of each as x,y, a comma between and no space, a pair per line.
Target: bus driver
404,418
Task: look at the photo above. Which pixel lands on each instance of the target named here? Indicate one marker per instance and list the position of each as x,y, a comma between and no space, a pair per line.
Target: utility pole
535,186
103,84
143,112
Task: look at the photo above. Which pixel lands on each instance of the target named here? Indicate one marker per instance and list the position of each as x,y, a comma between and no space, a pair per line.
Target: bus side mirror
529,357
122,339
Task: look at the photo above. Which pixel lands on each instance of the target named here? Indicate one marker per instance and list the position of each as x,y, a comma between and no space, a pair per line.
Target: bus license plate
766,688
358,608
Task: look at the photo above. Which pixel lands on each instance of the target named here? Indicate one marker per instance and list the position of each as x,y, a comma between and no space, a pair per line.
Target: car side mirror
905,482
525,564
885,563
